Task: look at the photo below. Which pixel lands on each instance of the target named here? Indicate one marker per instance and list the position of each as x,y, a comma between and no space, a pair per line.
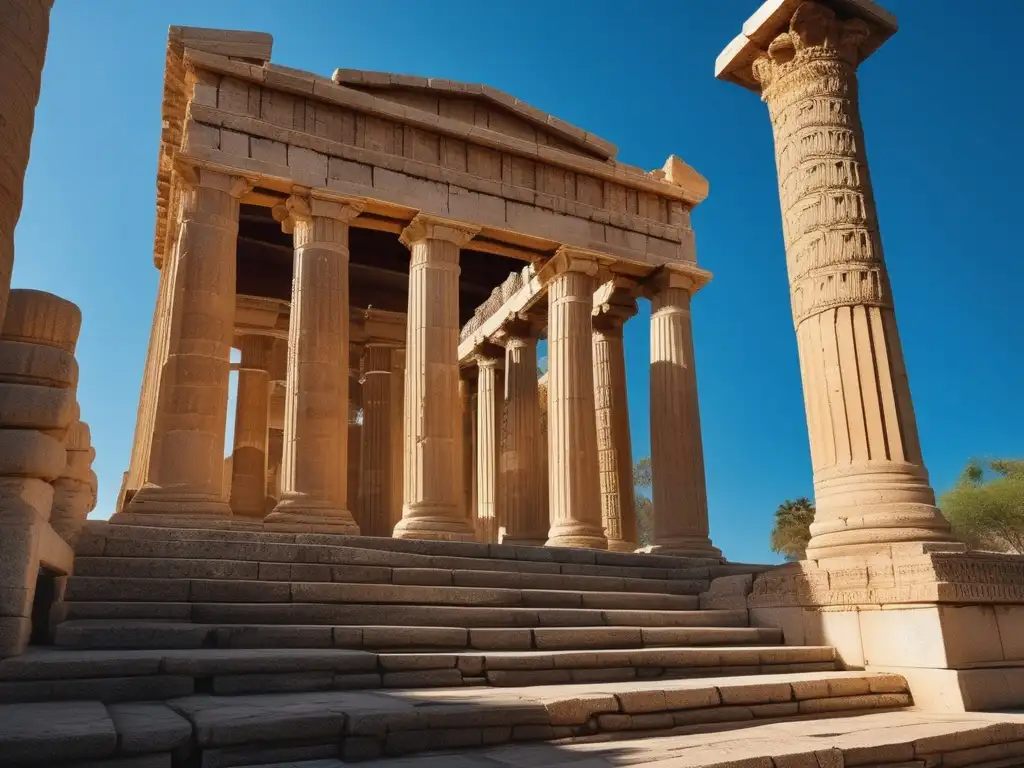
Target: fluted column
24,30
615,453
314,482
354,425
432,509
575,494
488,425
252,413
677,454
871,485
397,439
186,472
523,483
275,451
375,484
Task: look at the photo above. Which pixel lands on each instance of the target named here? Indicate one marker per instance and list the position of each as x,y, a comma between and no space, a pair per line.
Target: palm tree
793,528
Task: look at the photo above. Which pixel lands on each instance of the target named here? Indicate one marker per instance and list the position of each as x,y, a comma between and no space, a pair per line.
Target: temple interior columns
522,482
615,452
353,425
185,475
376,457
575,496
249,462
488,441
432,508
677,454
397,441
314,480
870,483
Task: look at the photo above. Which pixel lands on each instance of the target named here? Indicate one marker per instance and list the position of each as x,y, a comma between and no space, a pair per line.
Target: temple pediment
479,105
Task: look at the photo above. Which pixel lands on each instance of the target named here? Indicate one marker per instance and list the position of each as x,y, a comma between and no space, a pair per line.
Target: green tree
986,506
644,506
793,528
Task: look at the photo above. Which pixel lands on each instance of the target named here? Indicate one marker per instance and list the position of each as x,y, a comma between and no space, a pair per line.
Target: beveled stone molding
426,227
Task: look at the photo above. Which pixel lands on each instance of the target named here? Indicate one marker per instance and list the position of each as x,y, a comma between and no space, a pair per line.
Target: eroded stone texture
314,465
185,473
523,484
677,455
252,432
871,486
615,453
432,509
575,495
24,28
74,492
376,457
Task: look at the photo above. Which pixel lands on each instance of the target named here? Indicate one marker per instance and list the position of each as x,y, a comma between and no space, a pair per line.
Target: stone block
31,363
422,576
502,639
423,678
29,454
292,682
148,727
278,637
577,710
760,693
691,698
55,731
414,637
854,703
728,592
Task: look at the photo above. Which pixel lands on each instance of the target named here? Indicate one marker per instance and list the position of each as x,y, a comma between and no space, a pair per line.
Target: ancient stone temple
419,546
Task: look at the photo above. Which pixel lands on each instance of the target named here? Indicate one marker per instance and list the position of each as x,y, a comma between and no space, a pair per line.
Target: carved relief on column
522,481
249,460
314,482
376,458
612,307
432,508
397,432
24,30
677,454
575,493
185,477
488,440
871,486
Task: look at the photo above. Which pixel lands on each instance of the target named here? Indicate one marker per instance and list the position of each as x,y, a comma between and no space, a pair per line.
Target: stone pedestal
432,509
575,494
38,376
488,438
677,455
314,480
523,482
615,453
24,28
376,458
871,486
185,476
252,412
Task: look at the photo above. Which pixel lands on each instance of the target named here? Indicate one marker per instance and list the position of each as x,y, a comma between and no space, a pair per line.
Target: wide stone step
400,615
112,676
103,588
249,730
124,541
185,568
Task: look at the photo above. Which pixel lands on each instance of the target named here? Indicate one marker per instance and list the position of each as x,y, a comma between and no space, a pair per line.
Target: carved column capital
190,175
571,259
427,227
304,208
688,277
614,304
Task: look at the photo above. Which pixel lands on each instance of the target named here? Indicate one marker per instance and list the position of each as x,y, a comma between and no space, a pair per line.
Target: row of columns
589,501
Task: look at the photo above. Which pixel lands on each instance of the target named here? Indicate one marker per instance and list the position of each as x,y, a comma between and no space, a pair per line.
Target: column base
437,527
696,546
157,500
523,541
303,513
577,536
618,545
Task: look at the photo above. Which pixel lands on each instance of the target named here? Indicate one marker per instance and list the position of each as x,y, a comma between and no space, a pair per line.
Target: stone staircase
226,647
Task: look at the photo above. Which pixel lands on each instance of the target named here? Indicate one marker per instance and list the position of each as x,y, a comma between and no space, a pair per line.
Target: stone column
397,439
353,426
314,482
431,508
488,438
677,455
523,483
575,494
615,452
186,472
74,492
252,413
375,460
275,451
24,29
871,486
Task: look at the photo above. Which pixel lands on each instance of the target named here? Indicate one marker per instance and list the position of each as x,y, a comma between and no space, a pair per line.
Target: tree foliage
642,479
793,528
986,506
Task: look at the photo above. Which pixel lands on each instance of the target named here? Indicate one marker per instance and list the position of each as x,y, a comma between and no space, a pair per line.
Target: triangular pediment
479,105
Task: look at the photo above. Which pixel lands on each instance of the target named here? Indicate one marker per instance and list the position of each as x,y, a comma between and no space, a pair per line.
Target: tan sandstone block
576,711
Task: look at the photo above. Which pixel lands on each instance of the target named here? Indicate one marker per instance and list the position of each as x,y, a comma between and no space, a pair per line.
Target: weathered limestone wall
24,30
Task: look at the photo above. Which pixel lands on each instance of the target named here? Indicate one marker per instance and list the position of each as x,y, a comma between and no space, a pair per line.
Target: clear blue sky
943,114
